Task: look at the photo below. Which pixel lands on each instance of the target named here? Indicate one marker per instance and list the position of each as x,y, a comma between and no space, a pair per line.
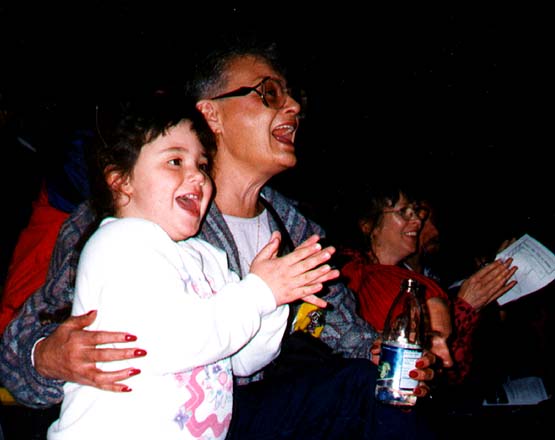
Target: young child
141,270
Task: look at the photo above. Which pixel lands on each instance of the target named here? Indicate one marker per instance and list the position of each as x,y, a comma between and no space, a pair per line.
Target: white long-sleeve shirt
197,321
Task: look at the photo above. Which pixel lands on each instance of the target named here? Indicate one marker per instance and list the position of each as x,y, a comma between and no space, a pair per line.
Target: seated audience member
243,95
65,186
31,257
17,140
141,269
51,144
389,223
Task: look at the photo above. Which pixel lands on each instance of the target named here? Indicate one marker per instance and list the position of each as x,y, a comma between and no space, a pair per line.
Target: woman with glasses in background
386,223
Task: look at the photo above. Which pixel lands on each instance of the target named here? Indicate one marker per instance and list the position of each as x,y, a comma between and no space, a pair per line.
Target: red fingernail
413,374
130,338
134,372
125,389
418,391
139,352
419,364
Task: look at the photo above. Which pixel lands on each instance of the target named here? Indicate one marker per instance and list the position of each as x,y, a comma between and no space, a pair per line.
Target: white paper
523,391
536,267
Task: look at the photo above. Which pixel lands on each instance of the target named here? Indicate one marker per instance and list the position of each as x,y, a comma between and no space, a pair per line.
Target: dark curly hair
123,129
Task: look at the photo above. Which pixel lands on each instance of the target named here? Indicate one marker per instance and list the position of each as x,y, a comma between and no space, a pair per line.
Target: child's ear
118,184
112,179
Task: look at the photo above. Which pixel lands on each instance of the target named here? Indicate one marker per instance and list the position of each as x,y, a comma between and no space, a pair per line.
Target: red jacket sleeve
31,257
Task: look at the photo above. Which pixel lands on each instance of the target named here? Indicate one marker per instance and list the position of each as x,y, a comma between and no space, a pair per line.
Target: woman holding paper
387,222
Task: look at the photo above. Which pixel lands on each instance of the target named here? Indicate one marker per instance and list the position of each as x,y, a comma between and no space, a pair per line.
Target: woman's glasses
409,212
272,93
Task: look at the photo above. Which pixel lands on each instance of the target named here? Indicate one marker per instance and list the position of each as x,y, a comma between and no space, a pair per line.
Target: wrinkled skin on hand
71,353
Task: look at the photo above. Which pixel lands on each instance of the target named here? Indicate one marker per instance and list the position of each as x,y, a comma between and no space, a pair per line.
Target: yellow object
6,398
310,319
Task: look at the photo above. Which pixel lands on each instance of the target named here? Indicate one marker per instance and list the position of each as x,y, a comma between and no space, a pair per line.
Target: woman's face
396,237
168,184
258,139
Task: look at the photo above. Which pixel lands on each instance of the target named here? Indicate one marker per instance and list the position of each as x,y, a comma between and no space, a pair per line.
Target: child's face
168,184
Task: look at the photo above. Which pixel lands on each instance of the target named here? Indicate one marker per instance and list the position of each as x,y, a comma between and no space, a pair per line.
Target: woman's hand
70,354
298,275
423,372
488,284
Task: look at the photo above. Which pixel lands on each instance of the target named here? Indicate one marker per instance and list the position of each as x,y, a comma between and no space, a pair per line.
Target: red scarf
377,285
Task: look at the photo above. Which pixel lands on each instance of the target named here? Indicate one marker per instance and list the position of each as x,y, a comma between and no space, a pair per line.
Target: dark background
455,97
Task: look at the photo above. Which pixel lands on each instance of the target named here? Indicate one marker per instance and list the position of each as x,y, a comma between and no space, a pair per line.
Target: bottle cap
410,283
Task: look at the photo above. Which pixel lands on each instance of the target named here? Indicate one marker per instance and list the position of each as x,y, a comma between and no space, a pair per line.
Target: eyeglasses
409,212
273,94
